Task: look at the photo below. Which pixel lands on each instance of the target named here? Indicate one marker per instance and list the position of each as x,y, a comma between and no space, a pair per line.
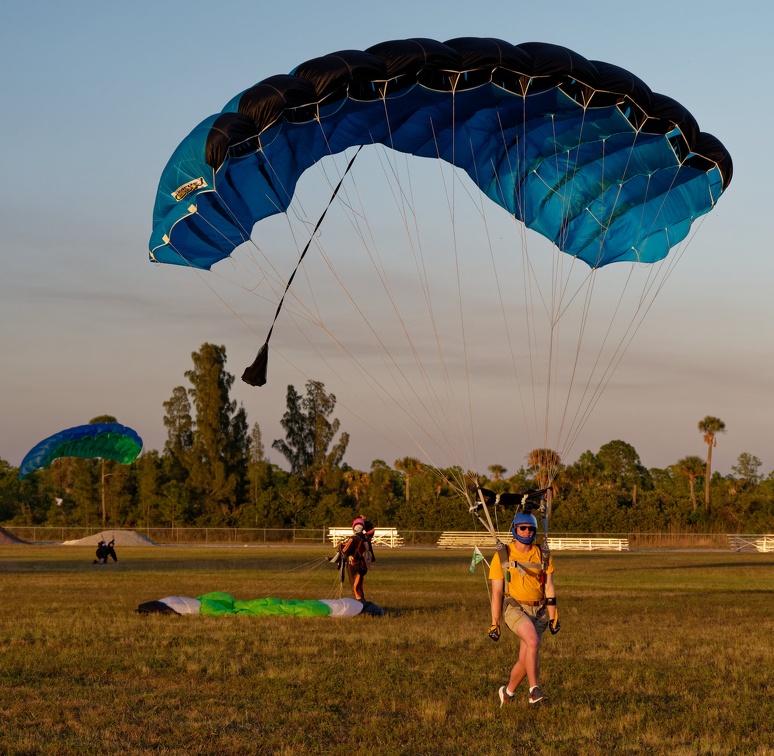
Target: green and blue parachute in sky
581,151
220,604
105,440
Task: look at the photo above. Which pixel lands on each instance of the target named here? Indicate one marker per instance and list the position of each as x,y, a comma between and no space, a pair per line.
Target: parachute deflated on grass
581,151
105,440
220,604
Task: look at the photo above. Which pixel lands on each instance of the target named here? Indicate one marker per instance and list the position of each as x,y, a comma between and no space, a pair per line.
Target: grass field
658,653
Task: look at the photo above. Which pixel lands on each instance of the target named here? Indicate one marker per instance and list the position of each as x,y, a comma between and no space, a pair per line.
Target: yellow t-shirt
524,587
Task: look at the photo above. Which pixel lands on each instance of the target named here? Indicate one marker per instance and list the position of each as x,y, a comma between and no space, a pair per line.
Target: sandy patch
122,538
7,538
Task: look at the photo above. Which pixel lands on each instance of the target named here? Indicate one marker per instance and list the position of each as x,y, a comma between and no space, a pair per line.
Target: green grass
658,653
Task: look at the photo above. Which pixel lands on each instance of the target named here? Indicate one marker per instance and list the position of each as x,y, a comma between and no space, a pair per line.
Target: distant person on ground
356,554
104,551
524,597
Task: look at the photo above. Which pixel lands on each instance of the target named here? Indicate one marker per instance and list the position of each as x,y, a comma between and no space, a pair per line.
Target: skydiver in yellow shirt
524,597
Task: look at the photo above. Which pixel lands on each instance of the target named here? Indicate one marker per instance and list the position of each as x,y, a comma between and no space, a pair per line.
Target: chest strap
522,566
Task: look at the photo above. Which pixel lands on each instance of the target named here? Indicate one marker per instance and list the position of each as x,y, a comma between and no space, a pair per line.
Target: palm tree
546,464
709,428
497,471
357,483
691,467
409,466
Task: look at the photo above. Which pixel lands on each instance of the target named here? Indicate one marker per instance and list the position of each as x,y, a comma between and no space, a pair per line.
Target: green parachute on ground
222,604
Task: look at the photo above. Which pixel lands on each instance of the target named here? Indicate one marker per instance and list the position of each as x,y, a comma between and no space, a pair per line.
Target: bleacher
588,544
762,543
464,540
382,536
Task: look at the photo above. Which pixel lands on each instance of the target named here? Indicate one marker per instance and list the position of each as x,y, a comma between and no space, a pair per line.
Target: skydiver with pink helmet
358,553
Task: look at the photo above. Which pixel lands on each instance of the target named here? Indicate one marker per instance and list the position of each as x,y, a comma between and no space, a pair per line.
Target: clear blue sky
97,95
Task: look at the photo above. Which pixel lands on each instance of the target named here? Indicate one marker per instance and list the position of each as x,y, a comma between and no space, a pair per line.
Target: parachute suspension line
472,427
657,281
378,388
247,234
294,578
585,312
530,281
401,198
559,302
384,350
557,294
558,311
255,374
311,317
275,281
221,302
555,308
560,299
215,296
520,230
586,309
636,320
559,284
419,263
308,244
237,266
526,279
309,233
450,201
404,199
500,298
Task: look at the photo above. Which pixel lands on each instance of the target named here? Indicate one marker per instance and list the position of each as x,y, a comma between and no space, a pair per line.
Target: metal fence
312,536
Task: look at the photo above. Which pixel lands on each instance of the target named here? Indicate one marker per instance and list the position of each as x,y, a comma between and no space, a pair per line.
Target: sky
97,96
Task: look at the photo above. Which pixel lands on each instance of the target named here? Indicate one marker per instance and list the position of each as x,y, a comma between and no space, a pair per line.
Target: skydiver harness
488,497
356,552
521,567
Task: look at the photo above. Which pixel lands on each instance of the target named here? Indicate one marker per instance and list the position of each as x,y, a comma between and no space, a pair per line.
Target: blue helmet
524,519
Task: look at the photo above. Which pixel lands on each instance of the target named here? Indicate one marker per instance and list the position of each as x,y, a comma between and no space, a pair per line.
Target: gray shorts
515,613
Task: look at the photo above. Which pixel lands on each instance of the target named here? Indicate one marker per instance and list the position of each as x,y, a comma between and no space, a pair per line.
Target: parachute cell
105,440
583,152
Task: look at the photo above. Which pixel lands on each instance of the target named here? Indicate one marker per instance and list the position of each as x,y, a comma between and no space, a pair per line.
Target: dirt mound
7,538
121,537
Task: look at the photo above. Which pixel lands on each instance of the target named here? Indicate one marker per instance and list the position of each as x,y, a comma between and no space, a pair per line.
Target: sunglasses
526,527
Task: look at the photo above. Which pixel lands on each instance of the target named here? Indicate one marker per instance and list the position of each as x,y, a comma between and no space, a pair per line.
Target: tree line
213,471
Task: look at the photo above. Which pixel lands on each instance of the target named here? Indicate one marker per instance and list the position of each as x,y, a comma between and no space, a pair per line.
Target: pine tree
309,433
207,440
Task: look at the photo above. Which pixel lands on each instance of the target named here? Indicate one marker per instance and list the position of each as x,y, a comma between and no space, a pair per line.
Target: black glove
494,633
554,626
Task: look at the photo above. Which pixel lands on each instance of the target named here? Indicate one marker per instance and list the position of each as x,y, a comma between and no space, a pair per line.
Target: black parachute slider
255,374
524,500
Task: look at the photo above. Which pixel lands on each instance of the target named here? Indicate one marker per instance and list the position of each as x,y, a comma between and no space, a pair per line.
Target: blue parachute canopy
105,440
581,151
